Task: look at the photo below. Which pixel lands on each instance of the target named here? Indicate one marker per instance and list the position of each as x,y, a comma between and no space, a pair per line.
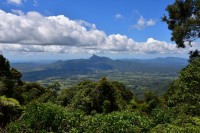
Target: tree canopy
186,89
184,21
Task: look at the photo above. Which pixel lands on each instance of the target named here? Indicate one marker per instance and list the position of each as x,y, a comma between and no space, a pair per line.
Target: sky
68,29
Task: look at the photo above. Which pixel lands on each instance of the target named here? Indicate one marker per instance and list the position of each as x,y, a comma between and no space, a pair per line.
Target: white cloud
17,2
151,22
114,44
33,28
33,32
142,23
20,2
119,16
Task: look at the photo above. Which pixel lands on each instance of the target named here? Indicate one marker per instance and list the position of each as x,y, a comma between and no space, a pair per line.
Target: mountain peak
98,58
94,56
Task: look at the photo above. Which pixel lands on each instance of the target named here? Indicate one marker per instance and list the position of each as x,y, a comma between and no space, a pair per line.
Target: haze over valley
139,75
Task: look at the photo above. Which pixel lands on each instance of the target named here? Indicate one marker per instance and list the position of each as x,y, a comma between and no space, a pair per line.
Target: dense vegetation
102,106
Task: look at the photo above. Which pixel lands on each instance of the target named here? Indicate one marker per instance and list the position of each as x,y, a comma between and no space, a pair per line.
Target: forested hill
96,64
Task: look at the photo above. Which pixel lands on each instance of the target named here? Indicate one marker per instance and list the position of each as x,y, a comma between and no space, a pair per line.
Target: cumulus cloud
33,32
33,28
17,2
119,16
142,23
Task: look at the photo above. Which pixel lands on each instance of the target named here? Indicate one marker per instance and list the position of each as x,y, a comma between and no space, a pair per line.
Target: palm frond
4,101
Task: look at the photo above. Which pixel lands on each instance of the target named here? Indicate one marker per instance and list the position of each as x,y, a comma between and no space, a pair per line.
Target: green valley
138,75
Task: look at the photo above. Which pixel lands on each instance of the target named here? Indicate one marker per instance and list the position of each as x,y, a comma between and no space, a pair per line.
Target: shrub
46,117
116,122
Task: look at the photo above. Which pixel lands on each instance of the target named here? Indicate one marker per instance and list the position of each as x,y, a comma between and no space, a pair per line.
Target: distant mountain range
95,64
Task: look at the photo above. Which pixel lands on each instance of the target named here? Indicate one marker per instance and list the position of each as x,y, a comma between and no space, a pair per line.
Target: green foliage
133,105
4,101
15,74
54,86
106,106
182,123
53,118
103,96
116,122
163,115
34,91
185,91
9,77
151,101
193,55
67,94
169,128
7,86
45,117
4,67
48,96
6,70
9,110
184,21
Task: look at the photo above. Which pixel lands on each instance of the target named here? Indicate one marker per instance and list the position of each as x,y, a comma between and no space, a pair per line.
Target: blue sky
64,29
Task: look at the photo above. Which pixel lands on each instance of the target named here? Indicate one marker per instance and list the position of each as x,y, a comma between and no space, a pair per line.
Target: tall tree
4,67
184,21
